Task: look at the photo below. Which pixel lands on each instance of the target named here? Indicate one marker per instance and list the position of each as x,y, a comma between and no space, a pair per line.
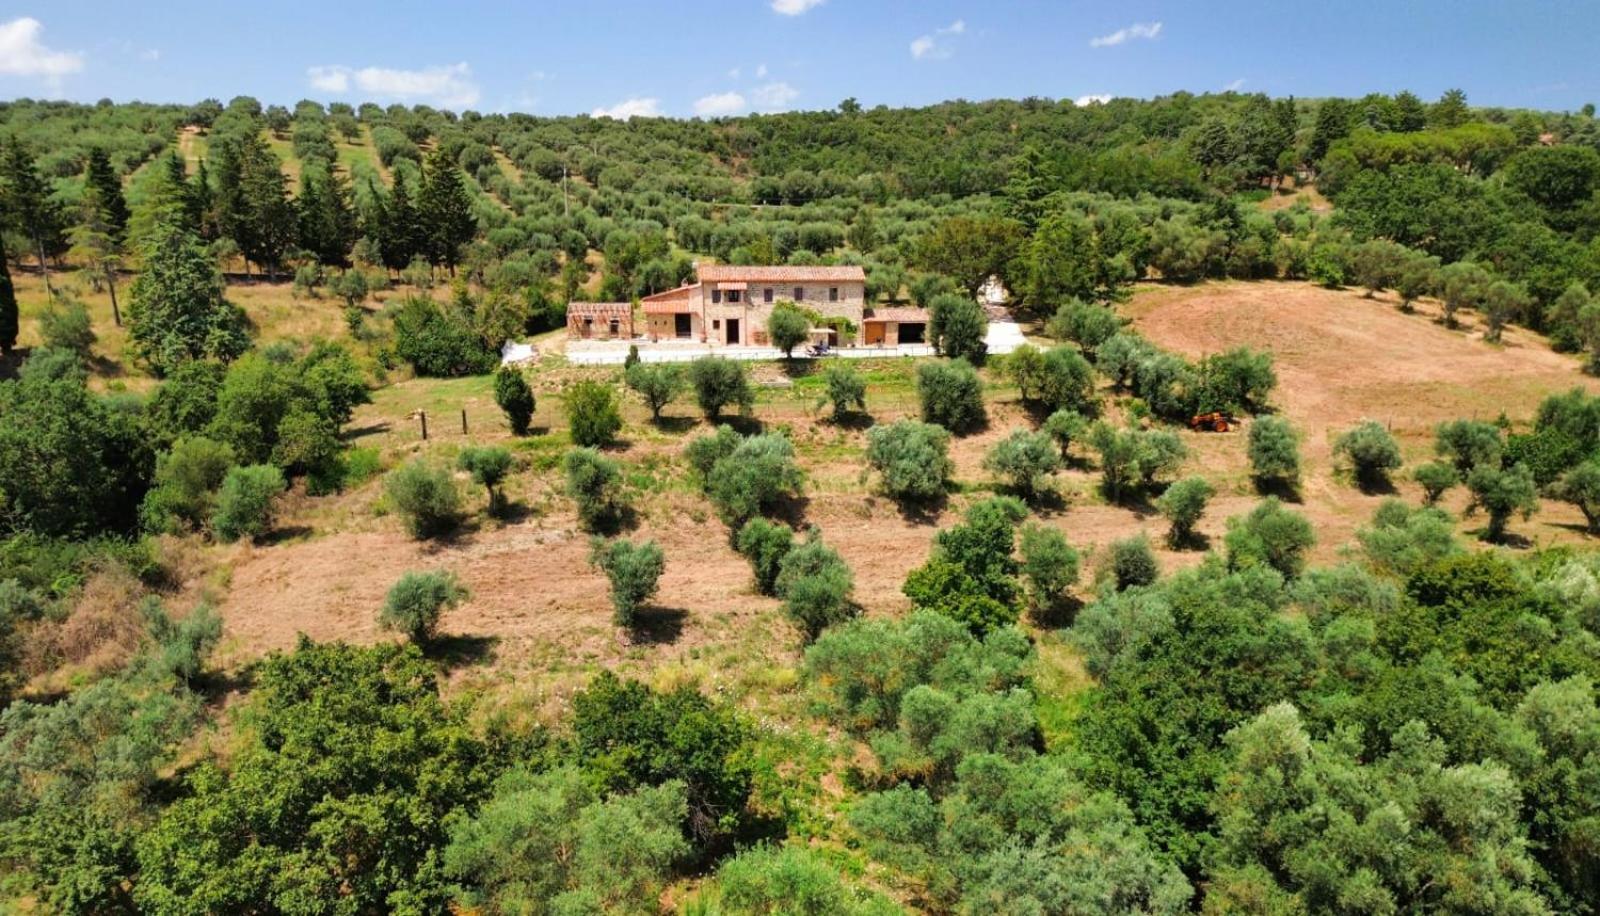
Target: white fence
1002,337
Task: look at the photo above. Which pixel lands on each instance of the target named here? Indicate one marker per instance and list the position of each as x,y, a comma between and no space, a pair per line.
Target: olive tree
656,383
847,390
1502,492
1371,451
1182,505
594,483
425,497
592,414
1270,535
787,327
1581,487
913,459
488,465
1274,451
634,571
415,603
1025,459
720,383
1435,477
951,395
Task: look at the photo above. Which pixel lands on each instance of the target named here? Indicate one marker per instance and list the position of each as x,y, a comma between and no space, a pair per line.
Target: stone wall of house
752,311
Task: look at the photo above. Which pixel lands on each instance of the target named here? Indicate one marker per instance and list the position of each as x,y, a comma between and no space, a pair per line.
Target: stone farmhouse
730,304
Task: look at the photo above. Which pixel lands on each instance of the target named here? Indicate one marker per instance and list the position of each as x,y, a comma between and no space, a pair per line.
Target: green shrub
1182,505
488,465
847,390
1270,535
1274,451
634,571
951,395
815,584
183,491
592,414
65,325
438,343
971,576
416,601
1130,562
656,383
1435,477
1025,459
425,498
1371,451
720,383
245,502
913,459
1239,379
792,880
765,544
1402,540
512,394
594,483
1049,566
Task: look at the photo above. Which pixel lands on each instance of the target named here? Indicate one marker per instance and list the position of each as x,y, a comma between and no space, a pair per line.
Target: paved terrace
1002,337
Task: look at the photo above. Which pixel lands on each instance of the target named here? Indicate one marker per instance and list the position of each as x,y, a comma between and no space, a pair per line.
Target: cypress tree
398,239
8,304
113,204
446,212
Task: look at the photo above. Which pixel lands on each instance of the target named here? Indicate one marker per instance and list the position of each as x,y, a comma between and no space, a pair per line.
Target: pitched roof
681,292
599,309
896,313
779,273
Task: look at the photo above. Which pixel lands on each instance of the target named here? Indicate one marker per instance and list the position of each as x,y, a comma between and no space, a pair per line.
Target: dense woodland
1412,730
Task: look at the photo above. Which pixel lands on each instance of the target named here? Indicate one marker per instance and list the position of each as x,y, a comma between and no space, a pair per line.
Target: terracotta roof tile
781,273
899,313
681,292
600,309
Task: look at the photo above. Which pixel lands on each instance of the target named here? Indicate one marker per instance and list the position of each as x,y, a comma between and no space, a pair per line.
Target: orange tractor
1217,421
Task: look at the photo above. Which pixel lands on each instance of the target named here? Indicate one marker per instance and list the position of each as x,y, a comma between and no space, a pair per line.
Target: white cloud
761,71
733,74
929,47
1234,86
150,54
444,85
329,79
631,108
22,54
1137,30
794,7
720,105
774,96
1095,99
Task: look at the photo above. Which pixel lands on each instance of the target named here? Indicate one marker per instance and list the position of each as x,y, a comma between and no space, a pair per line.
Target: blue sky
733,56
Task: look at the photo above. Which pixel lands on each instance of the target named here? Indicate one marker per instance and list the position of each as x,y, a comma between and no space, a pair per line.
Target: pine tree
27,201
178,312
103,178
446,212
8,304
97,245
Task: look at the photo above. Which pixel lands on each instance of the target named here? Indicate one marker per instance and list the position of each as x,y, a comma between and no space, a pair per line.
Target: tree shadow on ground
742,424
792,511
283,534
922,512
1286,490
856,420
658,625
457,650
1059,614
1377,486
676,426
